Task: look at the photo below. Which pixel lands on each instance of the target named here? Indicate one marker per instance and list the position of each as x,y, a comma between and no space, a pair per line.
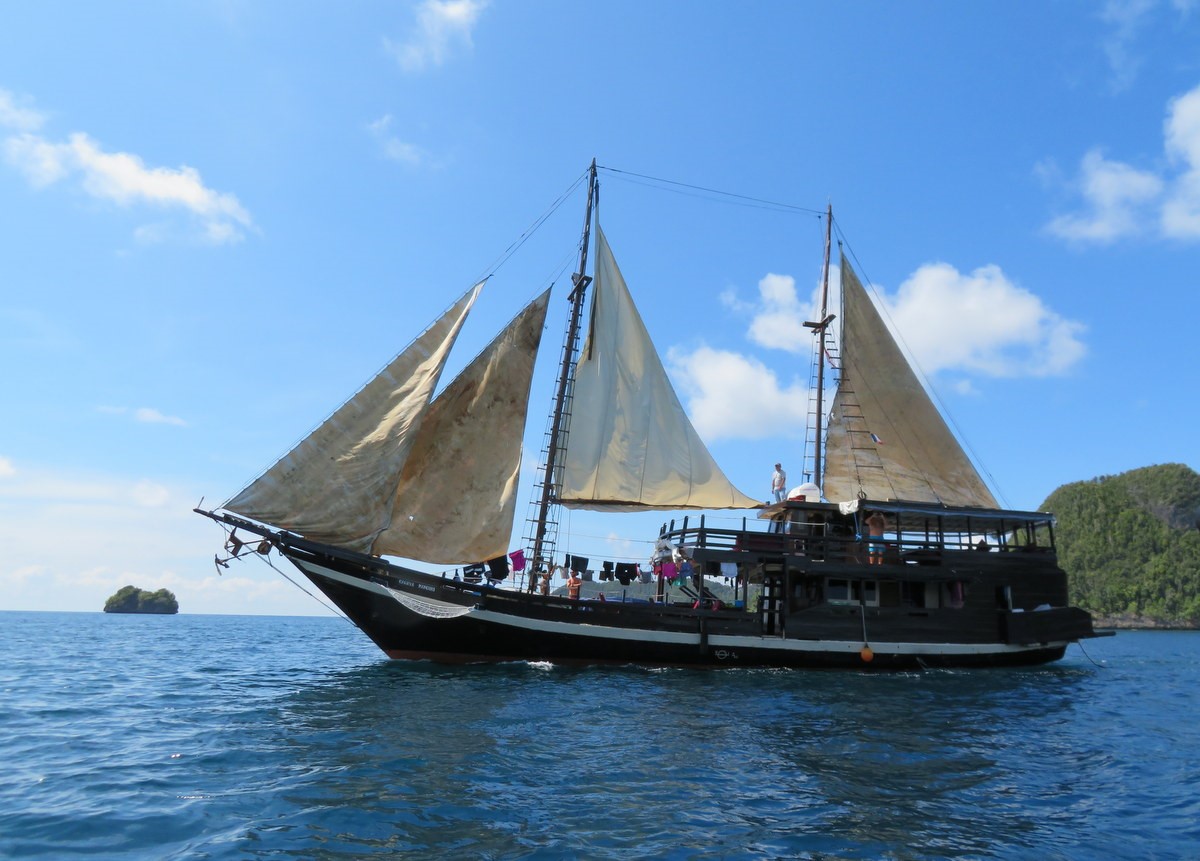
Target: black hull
411,615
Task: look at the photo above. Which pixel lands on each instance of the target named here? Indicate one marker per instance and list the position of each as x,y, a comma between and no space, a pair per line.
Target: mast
819,330
549,485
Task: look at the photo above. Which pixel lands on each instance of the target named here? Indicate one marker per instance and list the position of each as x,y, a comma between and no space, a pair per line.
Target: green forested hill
1130,544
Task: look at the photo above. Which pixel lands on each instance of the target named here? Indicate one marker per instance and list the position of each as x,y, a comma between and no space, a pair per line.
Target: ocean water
223,737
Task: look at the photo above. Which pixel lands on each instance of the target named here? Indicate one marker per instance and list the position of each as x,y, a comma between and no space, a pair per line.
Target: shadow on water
925,760
525,760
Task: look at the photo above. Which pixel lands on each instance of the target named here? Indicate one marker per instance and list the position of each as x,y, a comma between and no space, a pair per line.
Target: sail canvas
337,485
456,498
886,439
630,444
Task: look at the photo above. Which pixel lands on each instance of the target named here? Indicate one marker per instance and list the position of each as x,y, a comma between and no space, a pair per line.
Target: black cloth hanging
498,568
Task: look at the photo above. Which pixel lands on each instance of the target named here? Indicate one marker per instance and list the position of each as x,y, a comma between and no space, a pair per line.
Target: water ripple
233,737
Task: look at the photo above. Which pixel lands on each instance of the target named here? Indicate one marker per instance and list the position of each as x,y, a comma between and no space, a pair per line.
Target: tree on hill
130,599
124,601
161,601
1130,543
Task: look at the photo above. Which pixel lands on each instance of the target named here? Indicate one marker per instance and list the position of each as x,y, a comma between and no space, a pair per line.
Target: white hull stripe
603,632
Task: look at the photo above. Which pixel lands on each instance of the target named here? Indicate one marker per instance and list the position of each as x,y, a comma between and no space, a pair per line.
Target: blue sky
219,218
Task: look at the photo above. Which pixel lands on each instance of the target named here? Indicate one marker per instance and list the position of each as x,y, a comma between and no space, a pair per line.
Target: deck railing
828,542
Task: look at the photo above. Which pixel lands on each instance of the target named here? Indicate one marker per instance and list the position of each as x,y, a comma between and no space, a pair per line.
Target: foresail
337,485
886,439
630,444
456,498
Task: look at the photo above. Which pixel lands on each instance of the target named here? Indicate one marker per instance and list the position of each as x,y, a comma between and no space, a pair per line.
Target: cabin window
849,592
1030,537
837,591
1043,536
806,593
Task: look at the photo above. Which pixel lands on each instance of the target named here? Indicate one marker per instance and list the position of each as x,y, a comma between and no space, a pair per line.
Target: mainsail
338,485
886,438
456,498
630,445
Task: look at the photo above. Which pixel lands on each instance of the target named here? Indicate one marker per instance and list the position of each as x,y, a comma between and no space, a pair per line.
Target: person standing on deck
875,525
573,584
779,483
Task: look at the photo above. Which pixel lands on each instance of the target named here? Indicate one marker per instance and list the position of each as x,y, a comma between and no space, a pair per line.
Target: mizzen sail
886,439
337,486
630,445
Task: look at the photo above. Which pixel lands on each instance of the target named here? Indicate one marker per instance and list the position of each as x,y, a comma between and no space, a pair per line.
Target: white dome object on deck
807,492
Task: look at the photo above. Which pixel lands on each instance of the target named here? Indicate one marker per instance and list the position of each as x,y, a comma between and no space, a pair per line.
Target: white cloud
1127,18
779,317
40,161
145,415
394,148
981,322
1181,212
14,116
1120,200
405,153
729,298
970,323
737,397
1182,129
1116,197
149,415
442,25
7,470
118,177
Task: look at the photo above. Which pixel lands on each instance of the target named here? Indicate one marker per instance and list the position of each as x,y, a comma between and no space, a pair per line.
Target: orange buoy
866,654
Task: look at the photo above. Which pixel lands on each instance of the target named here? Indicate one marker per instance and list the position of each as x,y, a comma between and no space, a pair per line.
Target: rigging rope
328,607
747,200
529,231
242,549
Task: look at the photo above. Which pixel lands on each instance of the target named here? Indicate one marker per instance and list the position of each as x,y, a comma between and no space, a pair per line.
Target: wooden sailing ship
948,578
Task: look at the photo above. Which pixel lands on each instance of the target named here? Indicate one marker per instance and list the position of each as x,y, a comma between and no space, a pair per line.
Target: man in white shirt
779,483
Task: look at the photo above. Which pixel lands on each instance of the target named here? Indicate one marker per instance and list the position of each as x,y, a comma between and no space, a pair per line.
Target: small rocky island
130,599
